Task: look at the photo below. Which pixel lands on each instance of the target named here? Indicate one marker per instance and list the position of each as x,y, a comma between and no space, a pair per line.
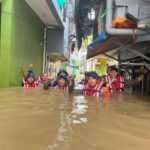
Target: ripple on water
34,119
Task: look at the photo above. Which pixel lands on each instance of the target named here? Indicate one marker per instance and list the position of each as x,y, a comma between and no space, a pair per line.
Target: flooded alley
34,119
75,75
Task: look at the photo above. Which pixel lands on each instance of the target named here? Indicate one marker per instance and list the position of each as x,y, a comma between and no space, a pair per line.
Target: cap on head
30,75
62,70
93,74
113,68
62,77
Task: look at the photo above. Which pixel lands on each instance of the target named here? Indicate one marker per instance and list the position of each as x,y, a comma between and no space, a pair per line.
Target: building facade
25,27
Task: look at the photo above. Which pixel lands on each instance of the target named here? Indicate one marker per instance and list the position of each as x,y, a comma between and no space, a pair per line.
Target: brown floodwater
33,119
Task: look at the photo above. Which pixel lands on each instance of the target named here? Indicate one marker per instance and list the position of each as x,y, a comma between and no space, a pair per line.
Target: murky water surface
34,119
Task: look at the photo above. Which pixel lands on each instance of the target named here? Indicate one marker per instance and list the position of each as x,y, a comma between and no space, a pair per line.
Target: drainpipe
114,31
44,52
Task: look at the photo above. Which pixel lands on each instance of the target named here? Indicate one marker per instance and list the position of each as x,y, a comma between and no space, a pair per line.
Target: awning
105,43
48,11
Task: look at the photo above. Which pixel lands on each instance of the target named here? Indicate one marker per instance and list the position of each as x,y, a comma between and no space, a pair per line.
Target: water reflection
79,109
64,132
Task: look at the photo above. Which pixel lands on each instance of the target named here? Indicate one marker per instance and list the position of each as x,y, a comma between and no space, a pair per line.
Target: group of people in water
93,84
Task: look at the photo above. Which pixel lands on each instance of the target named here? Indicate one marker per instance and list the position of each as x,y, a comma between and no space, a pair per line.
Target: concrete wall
6,19
21,34
57,41
132,6
66,38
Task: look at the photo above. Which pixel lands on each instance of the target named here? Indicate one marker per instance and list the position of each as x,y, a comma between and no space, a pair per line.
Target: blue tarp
98,40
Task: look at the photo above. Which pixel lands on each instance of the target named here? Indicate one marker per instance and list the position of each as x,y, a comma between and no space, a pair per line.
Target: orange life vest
94,90
119,85
26,84
64,88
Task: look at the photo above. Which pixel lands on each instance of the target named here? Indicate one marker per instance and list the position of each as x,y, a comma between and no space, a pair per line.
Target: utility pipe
114,31
44,52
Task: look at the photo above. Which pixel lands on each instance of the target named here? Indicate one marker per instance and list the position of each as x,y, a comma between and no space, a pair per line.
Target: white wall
66,39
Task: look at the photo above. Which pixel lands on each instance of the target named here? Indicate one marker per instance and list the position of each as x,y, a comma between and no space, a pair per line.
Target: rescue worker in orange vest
30,81
114,81
94,85
63,83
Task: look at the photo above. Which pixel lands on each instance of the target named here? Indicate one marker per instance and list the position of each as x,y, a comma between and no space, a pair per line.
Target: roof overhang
48,11
108,45
120,48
